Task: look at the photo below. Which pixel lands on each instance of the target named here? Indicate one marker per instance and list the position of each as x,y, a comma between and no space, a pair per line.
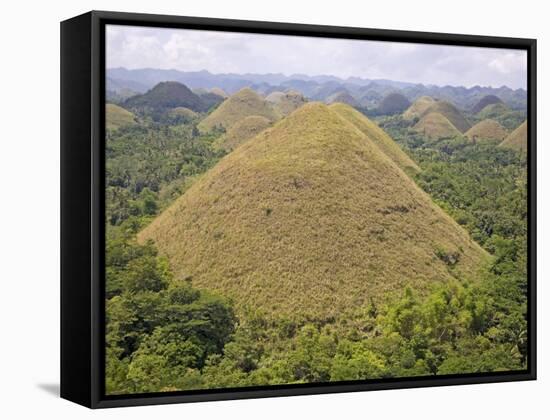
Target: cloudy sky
224,52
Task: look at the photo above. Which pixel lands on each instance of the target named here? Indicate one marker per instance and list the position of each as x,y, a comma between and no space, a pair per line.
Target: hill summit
243,130
436,126
517,139
418,107
487,130
243,103
486,100
451,112
308,219
378,136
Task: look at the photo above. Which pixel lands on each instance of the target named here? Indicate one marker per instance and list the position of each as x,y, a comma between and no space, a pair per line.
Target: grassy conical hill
242,104
393,103
436,126
378,136
509,119
493,111
286,102
219,92
275,97
485,101
184,112
116,117
418,107
243,130
342,97
307,220
450,112
486,130
517,139
166,95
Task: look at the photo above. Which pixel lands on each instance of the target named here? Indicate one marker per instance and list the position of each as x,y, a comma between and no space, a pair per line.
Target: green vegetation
455,328
160,331
150,164
509,119
164,335
482,186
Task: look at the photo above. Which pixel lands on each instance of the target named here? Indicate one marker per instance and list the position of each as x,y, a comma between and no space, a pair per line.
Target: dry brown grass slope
378,136
242,131
116,117
218,91
286,102
309,219
436,126
418,107
517,139
242,104
487,130
450,112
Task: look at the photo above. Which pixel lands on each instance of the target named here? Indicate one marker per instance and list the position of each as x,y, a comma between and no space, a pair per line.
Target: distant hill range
122,83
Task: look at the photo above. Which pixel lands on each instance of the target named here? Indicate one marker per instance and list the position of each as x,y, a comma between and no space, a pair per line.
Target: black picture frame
83,201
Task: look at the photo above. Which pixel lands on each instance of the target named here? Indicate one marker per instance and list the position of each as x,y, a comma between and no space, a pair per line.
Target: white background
29,209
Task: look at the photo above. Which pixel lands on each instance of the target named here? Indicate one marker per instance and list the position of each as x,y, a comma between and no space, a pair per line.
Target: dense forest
165,334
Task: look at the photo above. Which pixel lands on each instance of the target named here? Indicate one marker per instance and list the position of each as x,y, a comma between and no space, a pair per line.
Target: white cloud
509,63
222,52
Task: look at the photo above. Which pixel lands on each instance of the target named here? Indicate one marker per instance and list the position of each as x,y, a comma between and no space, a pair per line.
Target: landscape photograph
285,210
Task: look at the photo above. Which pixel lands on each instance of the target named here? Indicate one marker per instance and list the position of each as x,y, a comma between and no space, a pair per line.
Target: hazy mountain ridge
314,87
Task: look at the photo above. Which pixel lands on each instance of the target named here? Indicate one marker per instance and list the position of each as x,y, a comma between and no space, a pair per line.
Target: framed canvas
256,209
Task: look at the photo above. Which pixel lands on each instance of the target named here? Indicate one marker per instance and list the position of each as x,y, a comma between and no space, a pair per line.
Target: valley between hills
267,232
